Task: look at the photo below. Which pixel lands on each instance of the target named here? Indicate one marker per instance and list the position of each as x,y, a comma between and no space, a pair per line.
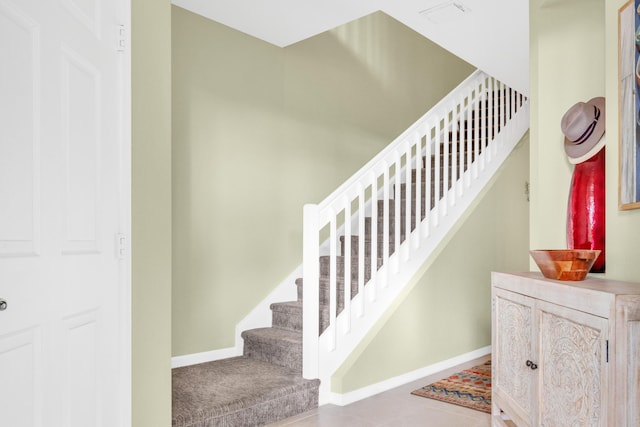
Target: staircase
267,382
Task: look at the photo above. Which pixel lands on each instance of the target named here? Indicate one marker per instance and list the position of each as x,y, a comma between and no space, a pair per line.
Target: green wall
151,213
258,131
227,104
447,311
567,66
574,57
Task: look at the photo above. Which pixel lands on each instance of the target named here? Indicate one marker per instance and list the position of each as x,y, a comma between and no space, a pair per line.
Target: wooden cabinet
565,353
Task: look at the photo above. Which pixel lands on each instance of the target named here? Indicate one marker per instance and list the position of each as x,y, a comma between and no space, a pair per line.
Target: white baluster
333,286
494,121
436,174
418,205
469,136
428,167
347,264
311,290
408,201
476,134
385,223
396,206
445,165
374,236
454,154
482,117
361,248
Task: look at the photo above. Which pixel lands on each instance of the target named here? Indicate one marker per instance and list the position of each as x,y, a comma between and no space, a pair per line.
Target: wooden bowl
565,264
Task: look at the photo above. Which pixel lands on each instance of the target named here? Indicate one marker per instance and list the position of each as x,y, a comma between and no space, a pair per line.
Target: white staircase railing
462,158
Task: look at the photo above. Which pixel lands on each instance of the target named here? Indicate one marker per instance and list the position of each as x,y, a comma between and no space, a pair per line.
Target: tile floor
395,408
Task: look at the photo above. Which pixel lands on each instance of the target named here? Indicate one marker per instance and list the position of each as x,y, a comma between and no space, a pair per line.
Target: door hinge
607,351
121,246
121,39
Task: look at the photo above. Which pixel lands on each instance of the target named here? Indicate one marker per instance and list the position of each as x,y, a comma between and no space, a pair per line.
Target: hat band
587,133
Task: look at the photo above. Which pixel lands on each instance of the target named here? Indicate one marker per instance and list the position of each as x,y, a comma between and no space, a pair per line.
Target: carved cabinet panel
564,353
513,341
573,356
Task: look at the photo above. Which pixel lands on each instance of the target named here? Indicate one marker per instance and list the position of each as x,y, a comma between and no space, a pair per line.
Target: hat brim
595,150
580,151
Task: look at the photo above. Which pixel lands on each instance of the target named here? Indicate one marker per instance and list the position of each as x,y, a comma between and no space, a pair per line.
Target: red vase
585,213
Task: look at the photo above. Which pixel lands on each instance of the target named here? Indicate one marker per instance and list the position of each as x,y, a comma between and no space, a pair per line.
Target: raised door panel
513,339
573,362
81,123
21,390
20,105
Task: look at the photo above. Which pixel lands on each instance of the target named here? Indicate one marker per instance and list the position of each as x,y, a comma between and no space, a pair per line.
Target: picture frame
629,105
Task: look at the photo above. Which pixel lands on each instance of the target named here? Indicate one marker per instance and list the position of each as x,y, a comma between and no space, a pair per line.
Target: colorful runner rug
470,388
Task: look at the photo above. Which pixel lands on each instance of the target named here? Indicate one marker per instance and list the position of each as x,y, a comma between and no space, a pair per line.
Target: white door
63,348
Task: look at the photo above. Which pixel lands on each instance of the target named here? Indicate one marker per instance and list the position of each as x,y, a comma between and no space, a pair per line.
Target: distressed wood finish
511,377
573,354
583,339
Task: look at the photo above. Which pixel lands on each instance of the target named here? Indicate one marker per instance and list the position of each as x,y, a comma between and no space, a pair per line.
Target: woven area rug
470,388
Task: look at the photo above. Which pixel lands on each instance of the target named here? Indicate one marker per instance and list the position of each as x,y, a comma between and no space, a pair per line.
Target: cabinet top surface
596,284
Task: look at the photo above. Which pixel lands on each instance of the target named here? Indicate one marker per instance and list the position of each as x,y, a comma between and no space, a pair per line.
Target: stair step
239,391
423,177
355,244
324,289
432,195
273,345
380,224
293,312
287,315
325,269
380,233
392,208
324,299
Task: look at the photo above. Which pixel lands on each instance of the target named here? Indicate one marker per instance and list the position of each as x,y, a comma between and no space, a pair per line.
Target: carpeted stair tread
274,345
267,334
288,315
287,306
325,266
220,393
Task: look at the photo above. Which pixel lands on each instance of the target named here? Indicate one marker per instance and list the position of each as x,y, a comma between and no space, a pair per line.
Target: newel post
311,291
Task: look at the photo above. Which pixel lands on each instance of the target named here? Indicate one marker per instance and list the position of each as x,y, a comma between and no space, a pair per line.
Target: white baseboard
259,317
365,392
206,356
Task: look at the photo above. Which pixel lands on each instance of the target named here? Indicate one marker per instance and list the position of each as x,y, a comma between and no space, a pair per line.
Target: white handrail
453,146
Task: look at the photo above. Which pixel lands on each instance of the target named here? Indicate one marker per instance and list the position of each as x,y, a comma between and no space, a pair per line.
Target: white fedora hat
583,127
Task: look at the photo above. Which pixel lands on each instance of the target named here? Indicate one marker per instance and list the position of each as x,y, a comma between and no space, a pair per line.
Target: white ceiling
493,35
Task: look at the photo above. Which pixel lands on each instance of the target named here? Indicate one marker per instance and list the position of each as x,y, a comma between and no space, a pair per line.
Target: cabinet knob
532,365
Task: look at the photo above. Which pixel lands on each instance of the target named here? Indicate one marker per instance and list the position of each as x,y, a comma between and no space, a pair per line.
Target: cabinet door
573,367
514,381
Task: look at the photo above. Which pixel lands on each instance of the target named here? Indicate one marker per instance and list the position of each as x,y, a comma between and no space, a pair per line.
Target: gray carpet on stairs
221,393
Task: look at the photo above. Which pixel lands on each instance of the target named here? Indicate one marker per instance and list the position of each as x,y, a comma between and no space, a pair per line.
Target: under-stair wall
462,141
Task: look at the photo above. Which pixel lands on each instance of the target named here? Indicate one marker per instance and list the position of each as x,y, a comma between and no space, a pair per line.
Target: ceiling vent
446,12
